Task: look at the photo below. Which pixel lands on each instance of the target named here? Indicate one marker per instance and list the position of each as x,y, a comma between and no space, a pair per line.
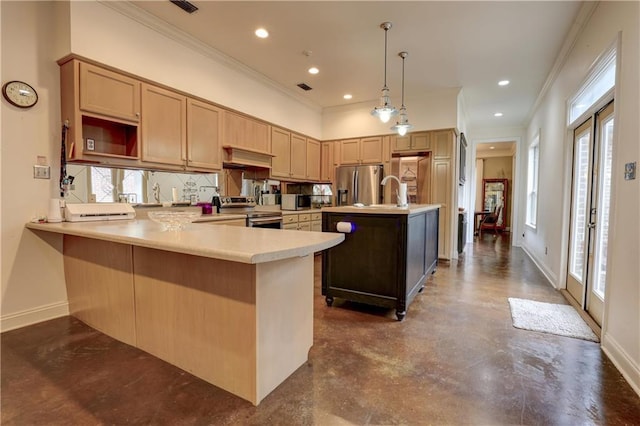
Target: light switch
630,171
41,172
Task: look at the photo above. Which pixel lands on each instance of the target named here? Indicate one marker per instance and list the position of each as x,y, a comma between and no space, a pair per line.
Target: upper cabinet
289,152
240,131
327,162
420,141
361,151
108,93
313,160
164,126
204,132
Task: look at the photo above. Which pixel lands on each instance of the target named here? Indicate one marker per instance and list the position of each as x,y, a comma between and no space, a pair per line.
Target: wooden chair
491,221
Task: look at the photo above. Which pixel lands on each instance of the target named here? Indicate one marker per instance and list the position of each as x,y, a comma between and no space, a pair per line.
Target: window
532,182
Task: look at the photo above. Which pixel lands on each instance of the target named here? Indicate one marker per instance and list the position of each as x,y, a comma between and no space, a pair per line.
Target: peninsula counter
231,305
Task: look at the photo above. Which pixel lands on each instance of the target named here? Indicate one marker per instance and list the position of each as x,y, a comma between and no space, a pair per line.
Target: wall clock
20,94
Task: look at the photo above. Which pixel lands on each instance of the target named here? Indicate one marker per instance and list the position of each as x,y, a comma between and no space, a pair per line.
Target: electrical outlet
92,198
630,171
41,172
545,250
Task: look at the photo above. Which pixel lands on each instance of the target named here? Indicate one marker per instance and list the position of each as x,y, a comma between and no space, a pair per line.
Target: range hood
245,158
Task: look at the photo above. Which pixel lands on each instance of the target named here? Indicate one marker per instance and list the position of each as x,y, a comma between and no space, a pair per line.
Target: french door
590,202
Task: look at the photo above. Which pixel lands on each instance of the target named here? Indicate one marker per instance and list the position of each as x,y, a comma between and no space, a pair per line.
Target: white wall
32,273
621,328
429,111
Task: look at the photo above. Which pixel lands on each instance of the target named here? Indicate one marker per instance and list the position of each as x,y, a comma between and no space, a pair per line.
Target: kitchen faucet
402,195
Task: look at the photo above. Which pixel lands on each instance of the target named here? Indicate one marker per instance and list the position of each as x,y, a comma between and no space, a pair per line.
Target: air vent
185,5
304,86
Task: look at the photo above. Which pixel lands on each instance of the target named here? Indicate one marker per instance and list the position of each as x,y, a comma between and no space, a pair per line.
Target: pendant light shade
385,111
402,126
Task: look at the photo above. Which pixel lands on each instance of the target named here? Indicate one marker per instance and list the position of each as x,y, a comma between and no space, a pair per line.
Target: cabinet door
281,149
258,135
441,194
313,160
350,151
244,132
304,226
108,93
316,226
163,126
400,143
327,162
371,150
442,143
421,141
298,157
203,135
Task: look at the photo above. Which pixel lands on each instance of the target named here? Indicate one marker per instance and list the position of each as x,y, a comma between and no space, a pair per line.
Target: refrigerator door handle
356,196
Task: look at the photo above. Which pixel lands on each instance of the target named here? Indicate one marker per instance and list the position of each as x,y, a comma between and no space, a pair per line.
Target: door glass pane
604,198
579,212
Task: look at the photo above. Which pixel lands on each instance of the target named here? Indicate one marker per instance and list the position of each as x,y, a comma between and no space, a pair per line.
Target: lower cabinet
384,261
303,221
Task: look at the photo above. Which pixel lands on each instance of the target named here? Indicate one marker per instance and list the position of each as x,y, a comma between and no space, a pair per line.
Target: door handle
591,225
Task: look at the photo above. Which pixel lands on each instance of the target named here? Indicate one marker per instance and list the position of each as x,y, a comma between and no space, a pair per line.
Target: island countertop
383,209
232,243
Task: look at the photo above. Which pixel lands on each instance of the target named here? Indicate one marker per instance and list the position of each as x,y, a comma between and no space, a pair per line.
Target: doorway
590,205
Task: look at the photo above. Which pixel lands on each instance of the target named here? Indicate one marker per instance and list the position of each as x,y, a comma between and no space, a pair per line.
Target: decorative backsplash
103,184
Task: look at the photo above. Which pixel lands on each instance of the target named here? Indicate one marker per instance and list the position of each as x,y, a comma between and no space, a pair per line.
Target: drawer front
289,218
305,217
293,226
306,226
316,216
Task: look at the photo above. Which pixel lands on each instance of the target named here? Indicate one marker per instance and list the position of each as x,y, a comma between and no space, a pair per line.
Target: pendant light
385,110
403,124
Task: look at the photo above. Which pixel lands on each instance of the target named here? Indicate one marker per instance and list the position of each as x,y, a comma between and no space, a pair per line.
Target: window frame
533,178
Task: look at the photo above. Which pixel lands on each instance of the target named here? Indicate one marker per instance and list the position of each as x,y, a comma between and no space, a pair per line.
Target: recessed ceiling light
497,114
348,96
313,70
492,147
503,82
262,33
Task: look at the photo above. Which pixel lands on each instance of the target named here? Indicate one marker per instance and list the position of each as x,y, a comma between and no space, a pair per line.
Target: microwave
295,202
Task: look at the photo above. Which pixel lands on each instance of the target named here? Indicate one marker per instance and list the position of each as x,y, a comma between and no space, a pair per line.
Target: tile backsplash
102,184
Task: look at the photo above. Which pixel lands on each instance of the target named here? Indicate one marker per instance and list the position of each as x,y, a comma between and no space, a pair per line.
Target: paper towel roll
174,195
345,227
54,211
402,195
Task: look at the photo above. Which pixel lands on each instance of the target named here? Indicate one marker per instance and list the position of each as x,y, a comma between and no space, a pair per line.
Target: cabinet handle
138,114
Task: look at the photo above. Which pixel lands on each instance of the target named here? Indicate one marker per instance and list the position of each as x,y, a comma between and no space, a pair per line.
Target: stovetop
241,205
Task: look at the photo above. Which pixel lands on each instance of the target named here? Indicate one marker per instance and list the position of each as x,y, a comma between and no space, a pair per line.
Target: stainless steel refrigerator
359,184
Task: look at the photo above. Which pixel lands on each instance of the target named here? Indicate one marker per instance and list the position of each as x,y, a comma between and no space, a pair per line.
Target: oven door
274,222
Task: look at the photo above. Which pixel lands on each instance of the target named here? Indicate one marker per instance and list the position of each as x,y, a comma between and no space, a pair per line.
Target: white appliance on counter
85,212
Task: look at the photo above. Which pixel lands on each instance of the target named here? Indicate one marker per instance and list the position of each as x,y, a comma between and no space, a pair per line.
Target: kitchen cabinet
108,93
289,152
290,221
102,110
244,132
313,160
420,141
443,143
204,133
316,222
327,162
310,221
385,260
361,151
164,126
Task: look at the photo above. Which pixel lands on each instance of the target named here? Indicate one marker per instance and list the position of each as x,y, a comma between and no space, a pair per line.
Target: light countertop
383,209
232,243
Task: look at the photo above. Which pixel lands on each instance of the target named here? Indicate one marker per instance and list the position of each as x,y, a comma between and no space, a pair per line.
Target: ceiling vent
304,87
185,5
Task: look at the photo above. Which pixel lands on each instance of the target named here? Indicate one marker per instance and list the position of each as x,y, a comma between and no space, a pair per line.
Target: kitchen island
387,254
231,305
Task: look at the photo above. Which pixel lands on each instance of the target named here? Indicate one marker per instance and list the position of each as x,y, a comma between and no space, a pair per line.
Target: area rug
562,320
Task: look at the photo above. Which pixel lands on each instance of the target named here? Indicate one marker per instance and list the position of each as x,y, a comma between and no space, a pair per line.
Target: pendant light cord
385,57
403,81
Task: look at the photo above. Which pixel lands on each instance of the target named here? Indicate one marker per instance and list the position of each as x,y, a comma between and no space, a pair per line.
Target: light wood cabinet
316,222
420,141
298,157
108,93
441,194
327,162
313,160
442,143
204,133
361,151
102,110
245,132
303,221
281,151
164,129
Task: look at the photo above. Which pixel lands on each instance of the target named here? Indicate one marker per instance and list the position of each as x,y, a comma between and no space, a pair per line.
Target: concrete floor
455,359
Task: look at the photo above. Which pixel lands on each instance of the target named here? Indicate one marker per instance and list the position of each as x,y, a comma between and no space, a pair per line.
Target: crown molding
584,14
156,24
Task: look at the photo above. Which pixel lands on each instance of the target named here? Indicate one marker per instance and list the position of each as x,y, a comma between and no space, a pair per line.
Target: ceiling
468,45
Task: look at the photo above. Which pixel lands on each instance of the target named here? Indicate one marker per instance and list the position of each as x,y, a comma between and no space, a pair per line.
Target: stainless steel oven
246,206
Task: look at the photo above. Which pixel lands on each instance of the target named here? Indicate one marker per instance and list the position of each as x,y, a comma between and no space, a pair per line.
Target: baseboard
33,316
546,272
623,362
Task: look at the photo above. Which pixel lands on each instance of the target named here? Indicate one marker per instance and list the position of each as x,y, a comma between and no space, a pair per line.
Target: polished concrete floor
455,359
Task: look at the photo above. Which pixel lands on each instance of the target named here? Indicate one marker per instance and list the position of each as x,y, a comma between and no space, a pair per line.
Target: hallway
455,359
